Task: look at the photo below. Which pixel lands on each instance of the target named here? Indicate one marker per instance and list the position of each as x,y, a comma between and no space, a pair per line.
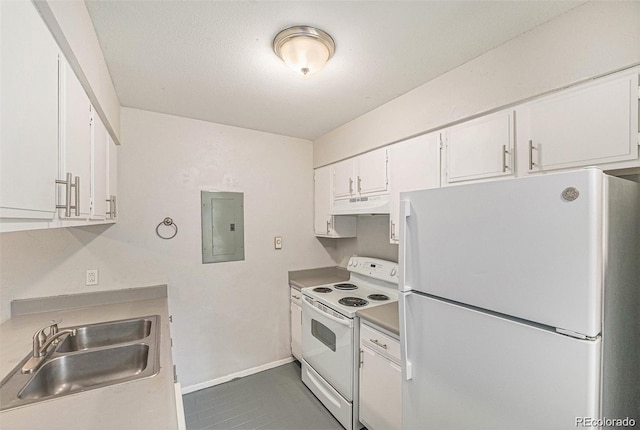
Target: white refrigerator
520,303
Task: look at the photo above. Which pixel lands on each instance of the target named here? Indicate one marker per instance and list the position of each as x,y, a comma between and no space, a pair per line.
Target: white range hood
361,206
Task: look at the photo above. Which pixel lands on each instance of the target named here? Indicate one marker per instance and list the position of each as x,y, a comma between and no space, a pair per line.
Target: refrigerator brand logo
570,194
605,422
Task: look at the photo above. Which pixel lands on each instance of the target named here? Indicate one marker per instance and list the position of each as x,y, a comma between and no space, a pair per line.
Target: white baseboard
227,378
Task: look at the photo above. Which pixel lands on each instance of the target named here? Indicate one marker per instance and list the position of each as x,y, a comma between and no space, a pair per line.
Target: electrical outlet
277,242
92,277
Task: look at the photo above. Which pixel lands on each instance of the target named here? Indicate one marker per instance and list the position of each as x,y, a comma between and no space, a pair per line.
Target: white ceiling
212,60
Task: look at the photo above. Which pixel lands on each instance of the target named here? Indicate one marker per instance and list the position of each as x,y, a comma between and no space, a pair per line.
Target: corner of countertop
318,276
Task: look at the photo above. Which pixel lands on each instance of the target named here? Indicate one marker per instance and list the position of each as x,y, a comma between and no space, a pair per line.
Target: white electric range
330,333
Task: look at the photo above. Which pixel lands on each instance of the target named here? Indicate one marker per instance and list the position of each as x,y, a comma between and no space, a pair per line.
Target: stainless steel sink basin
100,355
103,334
76,372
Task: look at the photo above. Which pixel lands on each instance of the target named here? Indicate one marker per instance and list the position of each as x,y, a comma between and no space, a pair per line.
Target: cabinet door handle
359,184
376,342
67,192
328,223
76,185
531,148
112,206
350,186
505,166
393,230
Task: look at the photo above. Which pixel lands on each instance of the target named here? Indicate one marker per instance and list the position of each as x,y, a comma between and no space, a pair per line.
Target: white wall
228,317
590,40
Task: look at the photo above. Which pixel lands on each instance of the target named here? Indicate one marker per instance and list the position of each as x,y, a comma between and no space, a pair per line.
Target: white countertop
137,405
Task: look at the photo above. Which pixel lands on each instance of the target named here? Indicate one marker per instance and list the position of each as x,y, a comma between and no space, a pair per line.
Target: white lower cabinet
296,323
180,417
380,380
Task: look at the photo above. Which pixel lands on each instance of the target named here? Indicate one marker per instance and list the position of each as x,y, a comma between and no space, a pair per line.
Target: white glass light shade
305,49
305,55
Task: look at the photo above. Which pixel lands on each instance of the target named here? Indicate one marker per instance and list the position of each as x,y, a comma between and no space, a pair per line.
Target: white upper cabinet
325,224
75,146
113,179
363,175
371,173
343,175
414,164
29,114
54,164
479,149
592,124
100,170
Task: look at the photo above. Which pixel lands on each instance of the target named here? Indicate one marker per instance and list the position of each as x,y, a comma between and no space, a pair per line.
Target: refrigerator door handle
407,369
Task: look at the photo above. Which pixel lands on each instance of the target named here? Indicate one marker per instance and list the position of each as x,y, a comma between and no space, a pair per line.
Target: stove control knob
353,262
394,271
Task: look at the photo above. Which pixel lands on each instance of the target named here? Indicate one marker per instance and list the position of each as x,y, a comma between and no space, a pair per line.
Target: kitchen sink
77,372
99,355
103,334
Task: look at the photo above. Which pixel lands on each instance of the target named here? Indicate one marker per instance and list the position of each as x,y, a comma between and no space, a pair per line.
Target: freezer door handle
405,206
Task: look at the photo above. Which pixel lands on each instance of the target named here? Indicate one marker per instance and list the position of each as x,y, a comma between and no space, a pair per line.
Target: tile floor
273,399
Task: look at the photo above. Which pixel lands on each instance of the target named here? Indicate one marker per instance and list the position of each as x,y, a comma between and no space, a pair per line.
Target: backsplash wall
372,241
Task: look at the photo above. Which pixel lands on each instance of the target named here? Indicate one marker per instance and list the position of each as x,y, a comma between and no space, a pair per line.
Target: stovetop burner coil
380,297
322,290
345,286
355,302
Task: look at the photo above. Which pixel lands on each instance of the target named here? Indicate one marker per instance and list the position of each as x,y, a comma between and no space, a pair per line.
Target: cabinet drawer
380,342
296,296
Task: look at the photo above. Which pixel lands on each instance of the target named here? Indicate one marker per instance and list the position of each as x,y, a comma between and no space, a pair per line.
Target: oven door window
323,334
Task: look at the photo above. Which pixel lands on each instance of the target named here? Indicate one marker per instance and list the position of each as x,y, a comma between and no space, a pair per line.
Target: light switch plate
277,242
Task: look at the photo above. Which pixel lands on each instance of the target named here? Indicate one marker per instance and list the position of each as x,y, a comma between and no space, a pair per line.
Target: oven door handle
346,322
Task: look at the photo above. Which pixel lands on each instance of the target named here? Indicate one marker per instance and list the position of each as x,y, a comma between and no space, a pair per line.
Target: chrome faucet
41,343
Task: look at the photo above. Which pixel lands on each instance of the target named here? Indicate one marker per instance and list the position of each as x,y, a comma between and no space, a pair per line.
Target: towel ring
169,223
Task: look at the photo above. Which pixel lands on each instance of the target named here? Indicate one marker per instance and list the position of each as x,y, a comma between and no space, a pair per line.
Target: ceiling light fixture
305,49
